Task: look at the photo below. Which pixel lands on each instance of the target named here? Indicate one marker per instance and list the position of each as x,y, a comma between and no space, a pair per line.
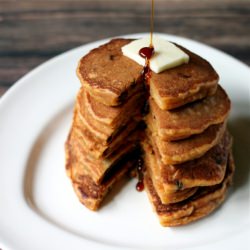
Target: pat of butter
166,54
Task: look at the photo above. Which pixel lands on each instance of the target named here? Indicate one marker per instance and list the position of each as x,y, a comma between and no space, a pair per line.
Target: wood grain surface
31,32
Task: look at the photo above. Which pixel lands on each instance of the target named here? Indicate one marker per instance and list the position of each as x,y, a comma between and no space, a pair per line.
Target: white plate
38,208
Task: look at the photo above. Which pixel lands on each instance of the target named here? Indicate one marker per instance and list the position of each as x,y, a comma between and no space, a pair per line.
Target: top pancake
112,78
107,75
175,87
190,119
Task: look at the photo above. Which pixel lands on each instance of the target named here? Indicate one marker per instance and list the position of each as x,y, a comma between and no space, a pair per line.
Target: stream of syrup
152,22
146,53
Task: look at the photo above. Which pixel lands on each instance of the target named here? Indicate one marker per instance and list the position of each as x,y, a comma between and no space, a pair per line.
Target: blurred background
31,32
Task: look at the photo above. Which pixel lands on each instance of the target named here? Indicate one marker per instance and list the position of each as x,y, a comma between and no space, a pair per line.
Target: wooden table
31,32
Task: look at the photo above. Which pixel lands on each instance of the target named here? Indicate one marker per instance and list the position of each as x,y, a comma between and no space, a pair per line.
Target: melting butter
166,54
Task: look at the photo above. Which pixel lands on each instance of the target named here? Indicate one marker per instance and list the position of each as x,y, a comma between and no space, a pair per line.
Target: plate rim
7,96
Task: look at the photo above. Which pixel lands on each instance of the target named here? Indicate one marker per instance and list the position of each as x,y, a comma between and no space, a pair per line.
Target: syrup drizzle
146,53
140,170
152,22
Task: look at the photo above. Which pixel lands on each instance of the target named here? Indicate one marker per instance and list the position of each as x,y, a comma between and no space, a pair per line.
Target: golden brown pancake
90,194
100,130
207,170
186,83
202,203
99,148
107,75
111,78
111,117
169,196
154,172
190,119
180,195
85,164
174,152
103,133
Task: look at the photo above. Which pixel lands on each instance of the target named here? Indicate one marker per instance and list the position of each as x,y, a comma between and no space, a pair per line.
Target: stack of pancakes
186,146
187,151
103,142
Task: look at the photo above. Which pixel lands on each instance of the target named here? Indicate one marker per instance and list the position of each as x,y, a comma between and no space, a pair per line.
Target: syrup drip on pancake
140,170
146,53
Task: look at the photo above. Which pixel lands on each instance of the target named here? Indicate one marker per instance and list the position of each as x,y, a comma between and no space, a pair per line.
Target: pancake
180,195
190,119
186,83
107,75
174,152
87,165
103,131
154,172
202,203
90,194
99,148
104,134
186,145
111,78
111,117
207,170
167,197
